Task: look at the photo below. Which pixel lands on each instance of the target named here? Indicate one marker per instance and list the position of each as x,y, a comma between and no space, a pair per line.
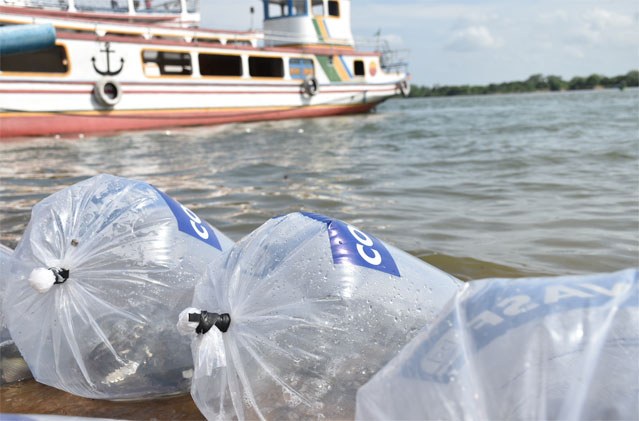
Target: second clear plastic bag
302,312
110,263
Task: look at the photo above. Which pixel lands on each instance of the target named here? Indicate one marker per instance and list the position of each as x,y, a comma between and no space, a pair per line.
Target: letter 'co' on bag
299,314
110,263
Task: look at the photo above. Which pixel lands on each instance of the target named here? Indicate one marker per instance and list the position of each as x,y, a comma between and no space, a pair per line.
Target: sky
456,42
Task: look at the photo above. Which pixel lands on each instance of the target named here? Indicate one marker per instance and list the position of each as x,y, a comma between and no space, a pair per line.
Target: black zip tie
207,320
61,275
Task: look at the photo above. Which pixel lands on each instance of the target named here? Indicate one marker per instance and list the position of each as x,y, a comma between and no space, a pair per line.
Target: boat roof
150,31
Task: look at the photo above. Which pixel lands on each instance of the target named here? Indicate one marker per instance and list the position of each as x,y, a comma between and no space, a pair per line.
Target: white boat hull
72,98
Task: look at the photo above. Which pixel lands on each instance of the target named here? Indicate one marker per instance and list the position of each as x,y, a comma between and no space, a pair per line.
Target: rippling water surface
509,185
505,185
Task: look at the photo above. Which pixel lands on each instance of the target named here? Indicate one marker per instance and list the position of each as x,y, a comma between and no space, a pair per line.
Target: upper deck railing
181,10
392,60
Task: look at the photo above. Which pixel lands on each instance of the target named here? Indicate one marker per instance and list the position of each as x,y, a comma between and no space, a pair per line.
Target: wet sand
30,397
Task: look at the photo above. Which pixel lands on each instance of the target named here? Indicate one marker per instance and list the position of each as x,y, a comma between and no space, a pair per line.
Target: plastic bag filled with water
530,348
301,313
6,259
111,262
12,366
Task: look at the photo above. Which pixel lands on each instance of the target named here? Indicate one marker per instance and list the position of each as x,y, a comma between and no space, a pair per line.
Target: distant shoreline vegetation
534,83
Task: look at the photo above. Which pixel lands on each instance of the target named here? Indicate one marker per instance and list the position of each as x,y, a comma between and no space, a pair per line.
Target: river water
484,186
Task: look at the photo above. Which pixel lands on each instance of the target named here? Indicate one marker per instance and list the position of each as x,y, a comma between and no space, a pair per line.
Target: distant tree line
536,82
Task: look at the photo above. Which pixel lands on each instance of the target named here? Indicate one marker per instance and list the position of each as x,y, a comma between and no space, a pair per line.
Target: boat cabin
141,64
308,22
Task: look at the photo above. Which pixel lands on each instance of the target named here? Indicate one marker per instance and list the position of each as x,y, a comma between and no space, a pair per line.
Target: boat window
157,6
318,7
207,40
168,62
333,8
51,60
41,4
140,6
266,66
192,6
358,66
276,9
220,65
299,8
123,35
301,68
102,5
281,8
238,42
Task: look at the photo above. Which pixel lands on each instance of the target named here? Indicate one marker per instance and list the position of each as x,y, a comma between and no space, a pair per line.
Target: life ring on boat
310,86
404,88
107,92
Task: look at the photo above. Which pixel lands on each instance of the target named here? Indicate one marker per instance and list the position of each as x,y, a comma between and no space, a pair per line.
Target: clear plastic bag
6,259
316,307
110,264
530,348
12,366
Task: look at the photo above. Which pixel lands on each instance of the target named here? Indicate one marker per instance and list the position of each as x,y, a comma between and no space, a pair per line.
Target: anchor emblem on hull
108,72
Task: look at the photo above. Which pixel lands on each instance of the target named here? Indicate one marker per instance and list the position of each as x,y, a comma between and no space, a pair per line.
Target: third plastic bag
519,349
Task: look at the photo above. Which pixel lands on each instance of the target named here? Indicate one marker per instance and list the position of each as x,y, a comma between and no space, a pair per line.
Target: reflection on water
498,186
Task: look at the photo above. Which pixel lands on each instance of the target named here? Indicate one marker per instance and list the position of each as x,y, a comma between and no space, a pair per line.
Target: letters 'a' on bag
110,263
299,314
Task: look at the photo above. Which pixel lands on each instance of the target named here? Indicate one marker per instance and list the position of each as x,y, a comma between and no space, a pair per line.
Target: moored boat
129,65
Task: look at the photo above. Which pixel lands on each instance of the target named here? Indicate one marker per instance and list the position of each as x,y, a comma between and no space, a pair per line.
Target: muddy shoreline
31,397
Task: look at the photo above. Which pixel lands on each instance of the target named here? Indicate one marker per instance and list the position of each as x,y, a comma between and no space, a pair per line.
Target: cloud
592,26
472,38
601,19
553,17
398,14
427,11
574,52
601,26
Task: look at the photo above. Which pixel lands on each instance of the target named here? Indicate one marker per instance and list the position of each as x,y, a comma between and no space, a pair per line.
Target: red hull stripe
51,124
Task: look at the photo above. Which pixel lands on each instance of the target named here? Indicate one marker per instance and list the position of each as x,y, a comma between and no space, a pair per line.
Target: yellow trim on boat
322,27
338,65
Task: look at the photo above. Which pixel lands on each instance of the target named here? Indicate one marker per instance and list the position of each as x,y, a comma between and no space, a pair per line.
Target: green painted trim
317,30
330,71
